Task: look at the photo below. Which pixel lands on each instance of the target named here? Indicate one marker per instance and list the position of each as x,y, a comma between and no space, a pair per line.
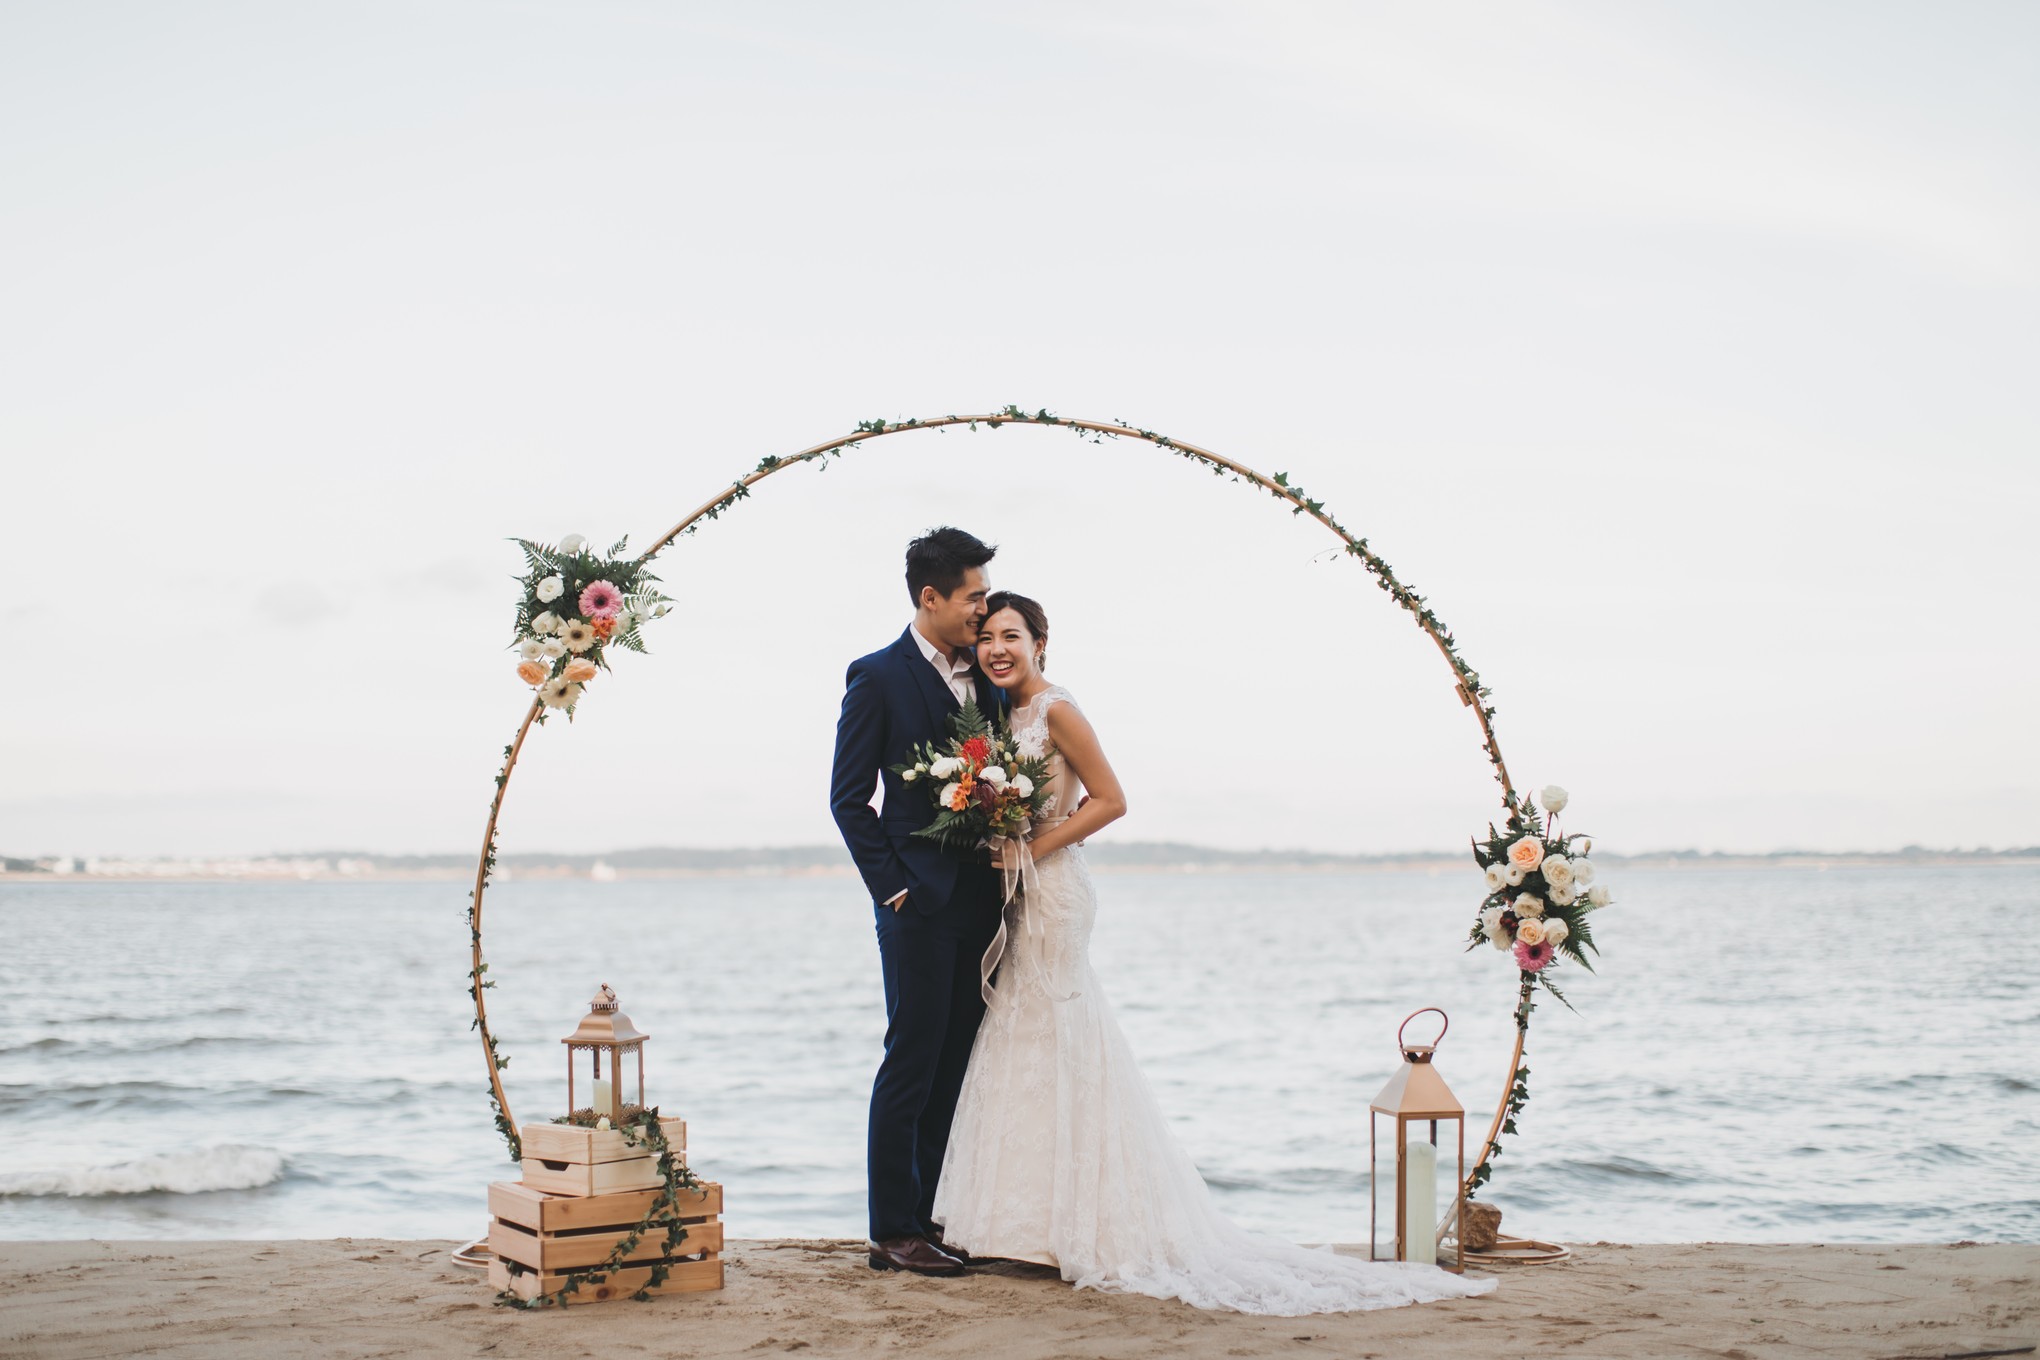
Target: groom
937,912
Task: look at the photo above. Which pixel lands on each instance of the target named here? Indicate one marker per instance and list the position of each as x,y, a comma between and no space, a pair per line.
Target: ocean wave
172,1045
227,1166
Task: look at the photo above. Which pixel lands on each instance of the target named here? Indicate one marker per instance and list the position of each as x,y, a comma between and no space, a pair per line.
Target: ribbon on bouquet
1022,883
1016,861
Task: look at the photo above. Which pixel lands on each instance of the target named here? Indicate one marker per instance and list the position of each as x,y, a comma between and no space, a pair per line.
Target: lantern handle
1413,1015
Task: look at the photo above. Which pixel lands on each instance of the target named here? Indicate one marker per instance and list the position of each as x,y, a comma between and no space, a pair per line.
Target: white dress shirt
956,675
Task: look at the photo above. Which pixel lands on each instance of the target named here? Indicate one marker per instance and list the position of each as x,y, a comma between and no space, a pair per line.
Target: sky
1682,355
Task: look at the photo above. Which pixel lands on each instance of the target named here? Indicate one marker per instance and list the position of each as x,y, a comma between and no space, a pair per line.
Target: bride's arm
1085,760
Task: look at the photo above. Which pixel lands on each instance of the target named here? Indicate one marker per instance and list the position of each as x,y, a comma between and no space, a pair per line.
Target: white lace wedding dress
1060,1154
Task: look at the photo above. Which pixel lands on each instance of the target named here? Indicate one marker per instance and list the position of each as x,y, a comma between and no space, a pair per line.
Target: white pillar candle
1420,1189
603,1105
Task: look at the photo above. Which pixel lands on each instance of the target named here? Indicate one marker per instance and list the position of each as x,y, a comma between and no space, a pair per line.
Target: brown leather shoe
916,1254
958,1252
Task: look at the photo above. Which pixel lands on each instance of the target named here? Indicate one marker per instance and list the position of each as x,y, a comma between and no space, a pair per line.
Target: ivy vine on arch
1519,814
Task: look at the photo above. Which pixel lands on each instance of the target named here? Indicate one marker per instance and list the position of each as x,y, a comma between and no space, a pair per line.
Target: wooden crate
685,1277
551,1235
572,1143
566,1159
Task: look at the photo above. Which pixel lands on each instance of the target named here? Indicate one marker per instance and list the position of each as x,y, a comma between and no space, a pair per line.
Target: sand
364,1297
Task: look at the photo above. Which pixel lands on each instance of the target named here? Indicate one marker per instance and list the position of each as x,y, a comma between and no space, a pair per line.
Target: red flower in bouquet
977,751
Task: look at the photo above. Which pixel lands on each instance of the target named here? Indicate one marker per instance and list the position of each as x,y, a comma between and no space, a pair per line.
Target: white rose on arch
550,589
1562,897
1558,871
546,623
1497,878
1528,906
572,545
1514,875
1582,873
1554,798
1555,931
1491,924
1598,896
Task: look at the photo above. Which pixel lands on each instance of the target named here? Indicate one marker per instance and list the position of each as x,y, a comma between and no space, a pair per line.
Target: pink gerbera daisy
1531,958
601,600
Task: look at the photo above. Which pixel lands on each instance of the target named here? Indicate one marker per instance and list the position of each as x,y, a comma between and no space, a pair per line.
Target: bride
1059,1154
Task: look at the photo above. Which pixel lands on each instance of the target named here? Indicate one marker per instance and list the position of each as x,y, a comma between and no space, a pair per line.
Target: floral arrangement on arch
1540,891
576,605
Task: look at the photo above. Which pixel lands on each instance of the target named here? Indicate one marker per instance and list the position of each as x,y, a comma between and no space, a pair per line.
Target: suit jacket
892,700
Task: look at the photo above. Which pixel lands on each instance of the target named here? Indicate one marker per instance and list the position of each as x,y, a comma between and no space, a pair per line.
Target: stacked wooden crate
583,1192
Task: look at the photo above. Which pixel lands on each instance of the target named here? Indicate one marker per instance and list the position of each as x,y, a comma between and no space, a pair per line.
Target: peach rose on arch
1526,854
533,673
579,671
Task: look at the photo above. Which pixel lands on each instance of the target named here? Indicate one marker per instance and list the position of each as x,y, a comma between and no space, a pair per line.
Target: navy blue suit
930,949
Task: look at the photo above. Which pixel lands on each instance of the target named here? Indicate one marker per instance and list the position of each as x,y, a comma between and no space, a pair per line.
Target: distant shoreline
823,861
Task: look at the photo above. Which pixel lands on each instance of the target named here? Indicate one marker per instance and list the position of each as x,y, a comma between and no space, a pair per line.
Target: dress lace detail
1060,1154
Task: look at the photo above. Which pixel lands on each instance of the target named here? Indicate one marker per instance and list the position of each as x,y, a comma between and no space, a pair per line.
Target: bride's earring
1041,660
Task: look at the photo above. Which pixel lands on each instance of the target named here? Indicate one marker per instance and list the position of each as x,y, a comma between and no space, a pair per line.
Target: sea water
1775,1054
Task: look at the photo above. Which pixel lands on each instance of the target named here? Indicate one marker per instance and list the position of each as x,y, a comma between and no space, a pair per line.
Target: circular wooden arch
1466,682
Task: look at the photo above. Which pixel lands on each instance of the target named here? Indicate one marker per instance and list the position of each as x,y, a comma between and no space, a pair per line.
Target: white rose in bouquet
993,775
948,794
1562,897
1491,924
1528,907
909,776
1502,942
945,766
1554,798
553,648
546,623
1497,878
1598,896
572,545
1558,871
1023,786
549,589
531,649
1582,872
1514,875
1555,931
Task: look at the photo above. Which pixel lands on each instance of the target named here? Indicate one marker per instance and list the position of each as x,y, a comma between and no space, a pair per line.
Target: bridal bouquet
983,788
575,605
1541,890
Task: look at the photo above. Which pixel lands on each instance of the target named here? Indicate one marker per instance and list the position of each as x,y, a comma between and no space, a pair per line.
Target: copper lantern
605,1033
1416,1094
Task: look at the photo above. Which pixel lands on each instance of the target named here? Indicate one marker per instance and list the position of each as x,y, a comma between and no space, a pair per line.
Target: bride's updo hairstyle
1031,614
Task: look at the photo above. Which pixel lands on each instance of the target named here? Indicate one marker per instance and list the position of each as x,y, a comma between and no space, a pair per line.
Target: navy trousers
932,1010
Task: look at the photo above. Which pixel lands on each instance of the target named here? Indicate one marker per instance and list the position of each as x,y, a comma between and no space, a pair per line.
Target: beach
362,1297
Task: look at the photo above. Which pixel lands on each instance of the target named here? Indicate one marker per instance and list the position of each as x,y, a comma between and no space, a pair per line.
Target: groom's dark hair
940,557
